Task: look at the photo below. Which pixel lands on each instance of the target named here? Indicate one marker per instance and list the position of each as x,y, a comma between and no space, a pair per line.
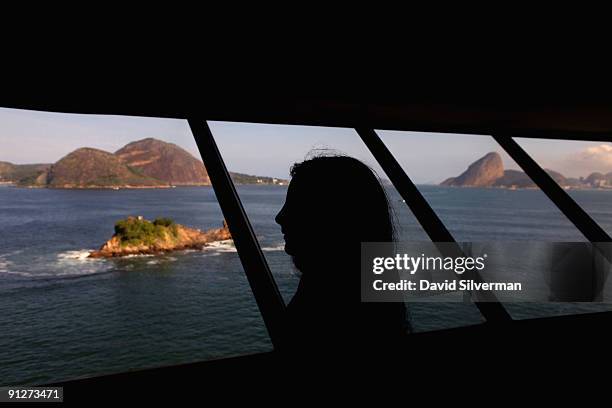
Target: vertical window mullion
263,285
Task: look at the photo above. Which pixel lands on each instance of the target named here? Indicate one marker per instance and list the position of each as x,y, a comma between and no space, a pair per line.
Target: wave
279,247
220,246
68,264
81,255
4,265
161,260
228,246
56,275
12,253
22,274
76,263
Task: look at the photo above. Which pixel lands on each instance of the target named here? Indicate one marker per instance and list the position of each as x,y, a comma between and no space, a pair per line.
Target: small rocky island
137,236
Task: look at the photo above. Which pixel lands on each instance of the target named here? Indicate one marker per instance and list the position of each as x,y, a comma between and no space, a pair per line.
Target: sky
269,150
45,137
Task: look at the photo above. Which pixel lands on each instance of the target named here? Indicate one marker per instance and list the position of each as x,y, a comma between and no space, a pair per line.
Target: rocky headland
488,171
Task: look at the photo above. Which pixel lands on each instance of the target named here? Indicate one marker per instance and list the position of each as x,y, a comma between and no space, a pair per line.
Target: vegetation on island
138,231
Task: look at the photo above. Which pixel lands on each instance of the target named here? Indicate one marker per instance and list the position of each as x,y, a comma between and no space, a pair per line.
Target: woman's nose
280,217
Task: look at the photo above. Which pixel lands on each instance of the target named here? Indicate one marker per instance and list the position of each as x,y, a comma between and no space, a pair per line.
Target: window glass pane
493,200
481,211
65,315
583,169
270,150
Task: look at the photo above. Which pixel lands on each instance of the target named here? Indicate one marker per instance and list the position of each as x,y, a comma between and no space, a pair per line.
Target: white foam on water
76,263
4,265
6,255
80,255
138,256
161,260
220,246
279,247
24,274
228,246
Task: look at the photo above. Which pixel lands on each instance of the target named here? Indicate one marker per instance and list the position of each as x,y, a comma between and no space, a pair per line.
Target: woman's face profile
300,220
308,220
288,218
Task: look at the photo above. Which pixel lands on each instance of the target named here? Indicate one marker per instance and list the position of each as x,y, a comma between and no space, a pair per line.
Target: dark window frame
256,268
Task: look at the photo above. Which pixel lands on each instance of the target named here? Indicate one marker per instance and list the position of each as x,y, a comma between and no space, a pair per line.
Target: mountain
93,168
164,161
12,173
144,163
488,171
482,173
514,178
599,180
6,169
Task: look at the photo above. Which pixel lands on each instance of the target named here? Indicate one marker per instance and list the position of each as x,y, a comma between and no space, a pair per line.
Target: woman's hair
352,192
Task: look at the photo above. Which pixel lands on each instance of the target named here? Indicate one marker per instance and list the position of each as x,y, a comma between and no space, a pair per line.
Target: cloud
597,156
593,158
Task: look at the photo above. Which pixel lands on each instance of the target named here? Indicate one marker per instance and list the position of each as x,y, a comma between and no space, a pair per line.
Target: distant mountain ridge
488,171
10,173
146,163
94,168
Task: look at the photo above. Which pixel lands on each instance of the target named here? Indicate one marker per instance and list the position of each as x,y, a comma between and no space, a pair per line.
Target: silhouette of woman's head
333,204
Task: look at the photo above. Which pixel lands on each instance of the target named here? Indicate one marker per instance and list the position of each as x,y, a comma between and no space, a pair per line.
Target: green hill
146,163
93,168
14,173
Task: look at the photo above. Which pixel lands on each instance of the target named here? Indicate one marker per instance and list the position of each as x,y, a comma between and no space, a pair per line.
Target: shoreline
10,184
518,188
95,254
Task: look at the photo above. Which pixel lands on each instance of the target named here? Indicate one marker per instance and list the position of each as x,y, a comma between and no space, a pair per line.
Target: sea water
63,315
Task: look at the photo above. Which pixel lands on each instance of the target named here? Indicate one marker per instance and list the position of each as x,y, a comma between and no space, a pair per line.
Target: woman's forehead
298,185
